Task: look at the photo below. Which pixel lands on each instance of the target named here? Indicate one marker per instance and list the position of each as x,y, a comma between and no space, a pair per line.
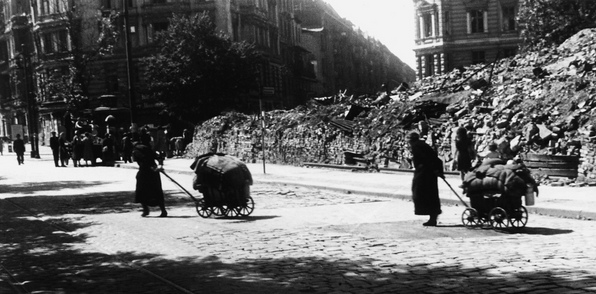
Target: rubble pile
533,103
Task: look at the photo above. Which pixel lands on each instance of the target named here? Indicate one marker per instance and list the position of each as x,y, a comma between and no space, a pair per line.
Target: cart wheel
498,218
470,218
247,209
232,212
202,210
219,210
519,217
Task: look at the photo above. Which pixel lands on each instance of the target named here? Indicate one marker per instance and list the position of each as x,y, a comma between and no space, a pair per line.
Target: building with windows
41,41
454,33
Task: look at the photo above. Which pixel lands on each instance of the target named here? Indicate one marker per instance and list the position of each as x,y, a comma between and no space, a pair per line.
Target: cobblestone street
77,231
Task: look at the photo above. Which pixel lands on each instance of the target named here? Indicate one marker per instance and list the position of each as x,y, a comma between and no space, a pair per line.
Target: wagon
225,182
496,190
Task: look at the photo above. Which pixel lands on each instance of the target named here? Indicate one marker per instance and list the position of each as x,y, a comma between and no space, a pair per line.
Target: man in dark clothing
19,148
425,191
55,146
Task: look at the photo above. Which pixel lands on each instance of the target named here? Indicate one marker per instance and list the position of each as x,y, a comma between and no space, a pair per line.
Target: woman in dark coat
425,190
148,190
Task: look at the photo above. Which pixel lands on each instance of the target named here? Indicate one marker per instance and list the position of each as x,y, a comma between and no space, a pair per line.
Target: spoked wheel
498,218
221,210
202,209
470,218
232,212
519,217
247,209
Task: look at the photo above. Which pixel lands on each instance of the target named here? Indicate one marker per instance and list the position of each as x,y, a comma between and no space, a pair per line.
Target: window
508,19
478,57
63,41
48,43
508,52
428,25
429,65
476,21
160,26
45,7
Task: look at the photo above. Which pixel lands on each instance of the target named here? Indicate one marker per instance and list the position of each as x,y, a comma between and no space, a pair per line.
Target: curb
554,212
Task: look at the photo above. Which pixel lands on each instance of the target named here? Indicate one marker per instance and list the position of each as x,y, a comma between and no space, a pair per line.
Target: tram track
20,288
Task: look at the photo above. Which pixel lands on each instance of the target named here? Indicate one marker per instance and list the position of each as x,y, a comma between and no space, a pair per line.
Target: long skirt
148,190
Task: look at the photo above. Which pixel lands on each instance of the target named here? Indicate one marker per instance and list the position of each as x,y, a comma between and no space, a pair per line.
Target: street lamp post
131,97
30,103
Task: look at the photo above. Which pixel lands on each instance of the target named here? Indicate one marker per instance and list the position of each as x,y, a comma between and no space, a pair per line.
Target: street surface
77,230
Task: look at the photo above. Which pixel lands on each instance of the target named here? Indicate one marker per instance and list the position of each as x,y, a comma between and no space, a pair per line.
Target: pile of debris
540,103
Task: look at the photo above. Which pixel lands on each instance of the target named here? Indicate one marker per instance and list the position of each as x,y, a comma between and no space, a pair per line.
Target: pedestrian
148,190
55,146
64,145
88,149
19,148
425,190
77,149
464,151
127,148
1,146
107,150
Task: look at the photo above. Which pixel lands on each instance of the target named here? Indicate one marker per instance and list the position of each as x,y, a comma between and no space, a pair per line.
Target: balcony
162,7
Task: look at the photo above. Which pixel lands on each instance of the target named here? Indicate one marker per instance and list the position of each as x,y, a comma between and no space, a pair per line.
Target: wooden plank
551,164
546,157
570,173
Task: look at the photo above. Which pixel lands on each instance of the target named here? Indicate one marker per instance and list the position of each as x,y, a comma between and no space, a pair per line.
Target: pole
131,96
32,121
262,128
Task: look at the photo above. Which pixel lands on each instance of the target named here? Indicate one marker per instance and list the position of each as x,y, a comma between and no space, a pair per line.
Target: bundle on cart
224,181
495,189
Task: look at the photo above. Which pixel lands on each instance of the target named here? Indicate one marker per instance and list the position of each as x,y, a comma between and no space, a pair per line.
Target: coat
19,146
425,189
148,187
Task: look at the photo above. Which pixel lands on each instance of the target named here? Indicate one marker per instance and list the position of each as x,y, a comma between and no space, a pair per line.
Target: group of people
81,147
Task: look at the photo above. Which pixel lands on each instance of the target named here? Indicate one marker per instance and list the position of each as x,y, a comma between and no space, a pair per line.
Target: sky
389,21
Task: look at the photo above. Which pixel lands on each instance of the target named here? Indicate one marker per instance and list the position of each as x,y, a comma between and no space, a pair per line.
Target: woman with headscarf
425,190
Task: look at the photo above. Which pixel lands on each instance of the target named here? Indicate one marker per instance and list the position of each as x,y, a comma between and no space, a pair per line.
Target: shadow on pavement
33,187
47,260
536,231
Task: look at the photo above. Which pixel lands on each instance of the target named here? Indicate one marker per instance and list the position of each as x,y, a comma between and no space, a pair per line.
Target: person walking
19,148
55,146
148,189
63,145
425,190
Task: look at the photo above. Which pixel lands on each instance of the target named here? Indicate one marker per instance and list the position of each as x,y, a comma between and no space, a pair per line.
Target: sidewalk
571,202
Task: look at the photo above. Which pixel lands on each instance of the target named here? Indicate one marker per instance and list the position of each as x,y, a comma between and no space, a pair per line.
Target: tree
70,71
199,72
551,22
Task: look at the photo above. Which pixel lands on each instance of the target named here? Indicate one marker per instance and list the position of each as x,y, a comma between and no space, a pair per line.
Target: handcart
225,182
496,190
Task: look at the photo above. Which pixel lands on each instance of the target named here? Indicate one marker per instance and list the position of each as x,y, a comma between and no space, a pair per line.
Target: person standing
1,146
88,149
19,148
464,151
55,146
148,189
77,150
63,146
425,190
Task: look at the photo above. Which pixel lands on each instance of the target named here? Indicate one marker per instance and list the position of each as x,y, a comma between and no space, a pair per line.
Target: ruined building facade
455,33
38,36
